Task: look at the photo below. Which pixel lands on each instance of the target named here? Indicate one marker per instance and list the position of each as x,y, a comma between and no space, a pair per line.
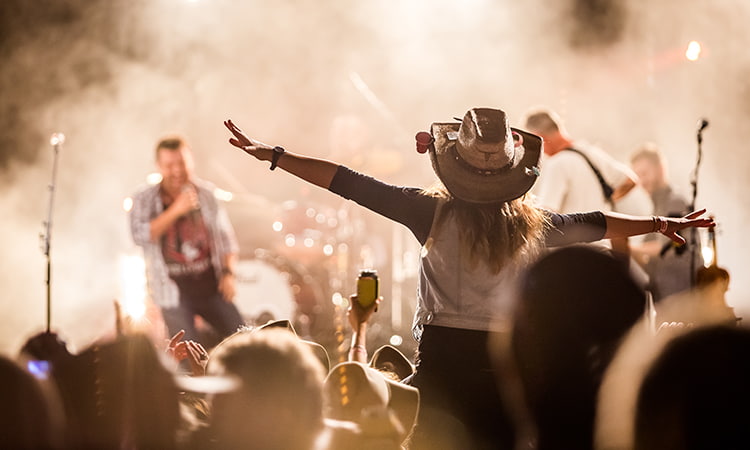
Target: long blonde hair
495,233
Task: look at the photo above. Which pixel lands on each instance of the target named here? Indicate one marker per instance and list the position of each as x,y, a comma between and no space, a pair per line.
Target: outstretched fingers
695,214
176,338
676,238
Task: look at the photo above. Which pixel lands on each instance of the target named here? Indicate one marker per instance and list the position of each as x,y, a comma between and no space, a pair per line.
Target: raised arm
623,225
317,171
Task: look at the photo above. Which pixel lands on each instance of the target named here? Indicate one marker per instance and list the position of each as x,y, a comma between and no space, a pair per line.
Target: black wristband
277,152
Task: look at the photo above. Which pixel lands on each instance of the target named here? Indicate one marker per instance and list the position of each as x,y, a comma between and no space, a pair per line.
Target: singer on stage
189,245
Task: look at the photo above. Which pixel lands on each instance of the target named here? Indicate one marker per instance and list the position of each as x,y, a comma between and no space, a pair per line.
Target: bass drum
273,287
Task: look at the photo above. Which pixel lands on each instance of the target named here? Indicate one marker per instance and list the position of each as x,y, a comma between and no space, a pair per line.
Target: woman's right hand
242,141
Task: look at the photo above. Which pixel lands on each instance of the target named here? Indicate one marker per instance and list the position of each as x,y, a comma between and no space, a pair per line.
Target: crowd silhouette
267,388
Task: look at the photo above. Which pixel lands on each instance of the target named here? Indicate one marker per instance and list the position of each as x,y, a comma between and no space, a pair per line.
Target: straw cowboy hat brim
351,388
389,358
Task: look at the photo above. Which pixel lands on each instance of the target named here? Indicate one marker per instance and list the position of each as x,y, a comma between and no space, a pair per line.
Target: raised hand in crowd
358,317
192,351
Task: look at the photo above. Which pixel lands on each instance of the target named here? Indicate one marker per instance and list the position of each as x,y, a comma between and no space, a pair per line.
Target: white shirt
568,185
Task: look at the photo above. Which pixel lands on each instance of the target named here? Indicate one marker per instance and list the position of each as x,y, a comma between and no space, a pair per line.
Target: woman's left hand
692,220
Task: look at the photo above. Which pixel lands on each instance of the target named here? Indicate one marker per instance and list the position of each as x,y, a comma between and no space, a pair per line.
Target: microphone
195,213
703,125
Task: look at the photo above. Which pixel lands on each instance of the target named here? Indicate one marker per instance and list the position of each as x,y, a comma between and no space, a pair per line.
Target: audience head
45,346
576,304
119,394
620,390
694,394
279,403
318,350
30,418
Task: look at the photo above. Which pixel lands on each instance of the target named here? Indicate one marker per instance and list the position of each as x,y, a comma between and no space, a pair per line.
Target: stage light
221,194
127,204
337,299
277,226
693,51
57,139
289,240
133,286
135,310
328,249
708,255
153,178
396,340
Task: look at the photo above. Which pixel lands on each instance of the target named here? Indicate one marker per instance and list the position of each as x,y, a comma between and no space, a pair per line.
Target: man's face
175,167
649,174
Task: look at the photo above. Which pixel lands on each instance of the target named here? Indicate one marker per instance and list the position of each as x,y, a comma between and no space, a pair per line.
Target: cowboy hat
482,159
320,352
352,389
388,358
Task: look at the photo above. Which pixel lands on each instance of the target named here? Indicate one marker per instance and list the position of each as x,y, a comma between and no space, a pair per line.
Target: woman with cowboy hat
478,231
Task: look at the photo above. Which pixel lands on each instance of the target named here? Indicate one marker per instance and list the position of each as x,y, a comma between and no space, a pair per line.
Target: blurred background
352,81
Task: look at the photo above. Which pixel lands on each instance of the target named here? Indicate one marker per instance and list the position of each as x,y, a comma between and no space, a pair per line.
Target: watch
277,152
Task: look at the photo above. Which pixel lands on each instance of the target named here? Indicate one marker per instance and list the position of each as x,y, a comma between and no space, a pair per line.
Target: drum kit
295,257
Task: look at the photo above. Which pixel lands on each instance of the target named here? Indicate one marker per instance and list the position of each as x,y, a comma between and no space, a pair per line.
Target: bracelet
277,152
660,224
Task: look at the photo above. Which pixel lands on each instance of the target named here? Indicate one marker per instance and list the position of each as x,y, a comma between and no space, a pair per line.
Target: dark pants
223,316
460,404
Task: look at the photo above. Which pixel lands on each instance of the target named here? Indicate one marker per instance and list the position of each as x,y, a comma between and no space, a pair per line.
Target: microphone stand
56,140
694,183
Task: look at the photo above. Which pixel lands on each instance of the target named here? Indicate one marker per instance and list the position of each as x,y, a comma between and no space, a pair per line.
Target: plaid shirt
147,205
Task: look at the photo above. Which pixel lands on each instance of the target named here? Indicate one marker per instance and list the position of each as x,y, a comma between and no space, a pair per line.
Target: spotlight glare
127,204
277,226
693,51
221,194
133,290
57,139
708,256
135,310
153,178
396,340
